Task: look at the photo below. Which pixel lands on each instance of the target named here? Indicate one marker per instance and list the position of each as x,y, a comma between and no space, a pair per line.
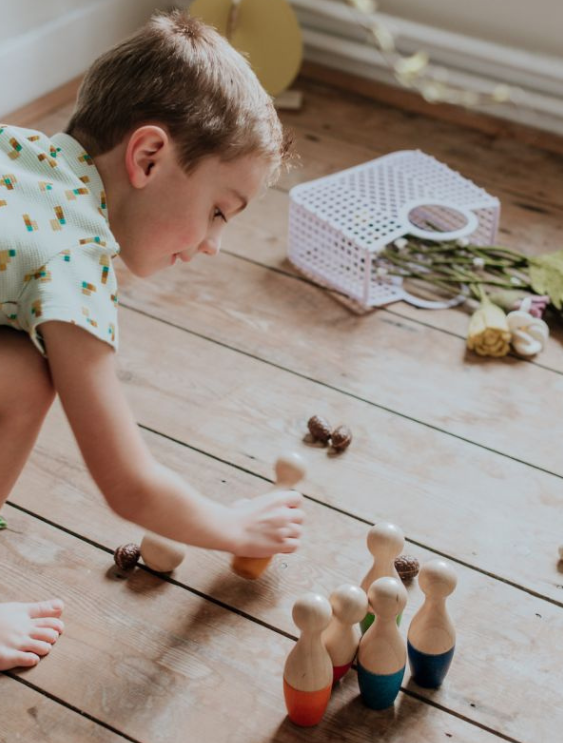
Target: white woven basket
339,224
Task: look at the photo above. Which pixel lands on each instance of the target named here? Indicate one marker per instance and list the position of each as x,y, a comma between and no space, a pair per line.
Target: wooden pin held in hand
289,469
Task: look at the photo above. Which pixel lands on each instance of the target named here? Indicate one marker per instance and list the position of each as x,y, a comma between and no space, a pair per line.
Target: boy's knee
31,390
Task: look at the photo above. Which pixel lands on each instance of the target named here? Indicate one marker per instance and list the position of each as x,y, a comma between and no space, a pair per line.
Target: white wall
481,43
20,16
46,43
533,25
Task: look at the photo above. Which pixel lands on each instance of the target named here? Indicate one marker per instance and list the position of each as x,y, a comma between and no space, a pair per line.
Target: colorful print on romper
114,299
8,181
5,256
30,224
3,202
104,261
88,288
36,309
111,331
66,255
17,148
95,239
52,162
45,186
34,138
85,158
57,224
86,314
71,195
42,275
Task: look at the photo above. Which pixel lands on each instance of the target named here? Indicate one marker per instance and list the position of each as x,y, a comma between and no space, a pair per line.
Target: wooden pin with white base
161,554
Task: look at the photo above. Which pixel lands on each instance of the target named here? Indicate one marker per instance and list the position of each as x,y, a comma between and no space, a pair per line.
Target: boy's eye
219,213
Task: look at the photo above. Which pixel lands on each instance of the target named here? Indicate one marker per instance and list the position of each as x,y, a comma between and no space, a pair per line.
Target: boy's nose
210,246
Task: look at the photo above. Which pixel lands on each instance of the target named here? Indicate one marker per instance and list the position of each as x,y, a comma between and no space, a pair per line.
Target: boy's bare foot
27,632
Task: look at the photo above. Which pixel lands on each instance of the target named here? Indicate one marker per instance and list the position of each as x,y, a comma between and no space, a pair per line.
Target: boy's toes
39,647
45,634
51,622
52,608
18,659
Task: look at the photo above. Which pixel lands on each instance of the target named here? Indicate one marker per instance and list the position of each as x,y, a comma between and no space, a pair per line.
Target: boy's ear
146,149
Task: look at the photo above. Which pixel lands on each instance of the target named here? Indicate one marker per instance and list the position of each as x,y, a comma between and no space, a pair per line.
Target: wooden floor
223,362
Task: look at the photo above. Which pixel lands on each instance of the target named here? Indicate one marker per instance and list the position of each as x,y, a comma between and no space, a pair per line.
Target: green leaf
3,523
546,275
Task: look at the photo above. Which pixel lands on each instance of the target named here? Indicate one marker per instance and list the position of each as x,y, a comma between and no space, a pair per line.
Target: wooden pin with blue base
431,636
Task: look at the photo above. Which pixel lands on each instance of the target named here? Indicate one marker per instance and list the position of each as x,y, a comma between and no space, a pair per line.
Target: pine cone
407,566
341,438
319,428
127,556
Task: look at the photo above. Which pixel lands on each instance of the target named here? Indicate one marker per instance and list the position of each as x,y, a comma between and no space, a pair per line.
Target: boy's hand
268,524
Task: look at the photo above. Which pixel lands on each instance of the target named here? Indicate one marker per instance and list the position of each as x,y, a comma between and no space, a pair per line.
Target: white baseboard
333,37
50,55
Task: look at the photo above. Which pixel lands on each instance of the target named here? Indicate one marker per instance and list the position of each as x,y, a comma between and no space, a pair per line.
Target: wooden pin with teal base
382,655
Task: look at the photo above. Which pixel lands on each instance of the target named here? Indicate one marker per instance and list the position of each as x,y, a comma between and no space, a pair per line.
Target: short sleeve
76,286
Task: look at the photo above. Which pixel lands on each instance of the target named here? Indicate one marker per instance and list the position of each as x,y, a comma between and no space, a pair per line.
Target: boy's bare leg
27,631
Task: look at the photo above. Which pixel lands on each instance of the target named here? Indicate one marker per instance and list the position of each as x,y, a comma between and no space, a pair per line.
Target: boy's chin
140,269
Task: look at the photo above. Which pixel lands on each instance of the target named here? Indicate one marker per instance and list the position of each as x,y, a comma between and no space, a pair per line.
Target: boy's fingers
297,516
289,545
293,498
293,531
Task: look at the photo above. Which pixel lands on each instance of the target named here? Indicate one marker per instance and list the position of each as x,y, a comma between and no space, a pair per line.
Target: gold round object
267,31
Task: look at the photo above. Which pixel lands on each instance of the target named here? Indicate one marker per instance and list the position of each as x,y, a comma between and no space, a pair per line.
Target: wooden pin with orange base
342,636
307,675
289,469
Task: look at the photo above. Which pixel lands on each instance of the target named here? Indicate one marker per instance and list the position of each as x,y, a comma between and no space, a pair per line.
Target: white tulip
529,334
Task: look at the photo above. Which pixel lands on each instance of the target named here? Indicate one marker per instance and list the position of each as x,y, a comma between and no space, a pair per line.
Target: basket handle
428,304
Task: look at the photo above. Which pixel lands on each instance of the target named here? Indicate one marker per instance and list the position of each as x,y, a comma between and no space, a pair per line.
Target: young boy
171,137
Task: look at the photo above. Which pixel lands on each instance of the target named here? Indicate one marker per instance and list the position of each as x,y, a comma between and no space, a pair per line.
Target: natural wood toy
289,469
161,554
342,636
385,542
431,635
307,675
382,655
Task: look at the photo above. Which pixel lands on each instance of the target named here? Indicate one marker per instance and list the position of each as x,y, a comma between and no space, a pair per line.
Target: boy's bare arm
136,486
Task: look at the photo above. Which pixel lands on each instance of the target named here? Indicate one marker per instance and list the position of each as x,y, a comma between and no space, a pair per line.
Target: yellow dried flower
488,333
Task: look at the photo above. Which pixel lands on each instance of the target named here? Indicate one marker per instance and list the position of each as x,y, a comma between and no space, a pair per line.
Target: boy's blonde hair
180,73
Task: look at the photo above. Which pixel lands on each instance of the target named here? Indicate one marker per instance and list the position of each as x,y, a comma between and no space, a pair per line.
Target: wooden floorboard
321,565
236,353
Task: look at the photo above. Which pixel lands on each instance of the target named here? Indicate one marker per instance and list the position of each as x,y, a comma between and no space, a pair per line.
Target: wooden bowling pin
342,636
289,469
161,554
431,635
382,655
307,675
385,542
